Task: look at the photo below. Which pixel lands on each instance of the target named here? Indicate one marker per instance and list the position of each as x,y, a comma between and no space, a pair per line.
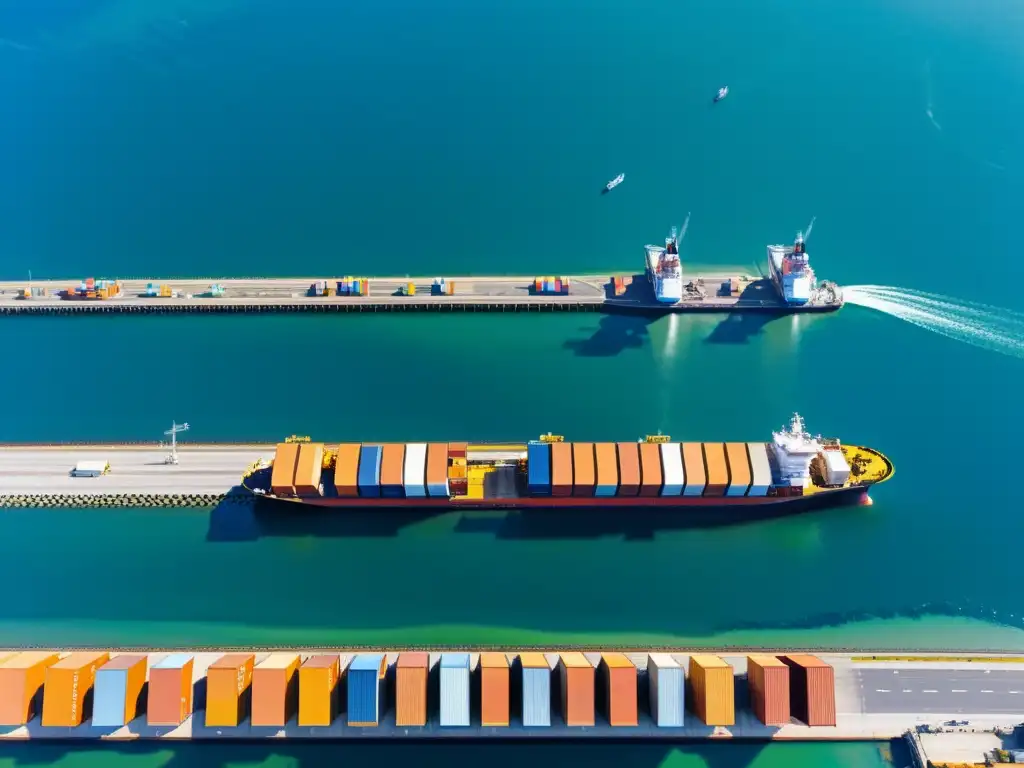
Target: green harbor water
228,138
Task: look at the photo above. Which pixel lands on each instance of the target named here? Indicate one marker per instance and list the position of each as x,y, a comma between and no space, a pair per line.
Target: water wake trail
992,328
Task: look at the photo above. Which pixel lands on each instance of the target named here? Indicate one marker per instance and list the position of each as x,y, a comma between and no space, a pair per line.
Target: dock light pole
172,458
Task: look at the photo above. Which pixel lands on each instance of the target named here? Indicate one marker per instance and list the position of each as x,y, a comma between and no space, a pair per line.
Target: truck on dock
91,469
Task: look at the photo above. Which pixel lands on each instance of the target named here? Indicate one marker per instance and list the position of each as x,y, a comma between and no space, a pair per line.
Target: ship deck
591,293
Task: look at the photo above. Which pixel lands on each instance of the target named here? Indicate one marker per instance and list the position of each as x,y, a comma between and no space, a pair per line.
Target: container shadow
631,524
741,327
259,518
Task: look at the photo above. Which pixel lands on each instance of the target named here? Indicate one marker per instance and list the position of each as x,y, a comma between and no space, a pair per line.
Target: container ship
794,472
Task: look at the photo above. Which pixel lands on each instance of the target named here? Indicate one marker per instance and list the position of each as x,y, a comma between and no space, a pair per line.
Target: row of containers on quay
542,468
452,689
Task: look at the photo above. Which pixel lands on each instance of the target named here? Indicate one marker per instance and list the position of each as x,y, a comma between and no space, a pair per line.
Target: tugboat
722,93
613,183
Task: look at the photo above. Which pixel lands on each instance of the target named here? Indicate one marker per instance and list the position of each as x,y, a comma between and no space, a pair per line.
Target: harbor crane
172,457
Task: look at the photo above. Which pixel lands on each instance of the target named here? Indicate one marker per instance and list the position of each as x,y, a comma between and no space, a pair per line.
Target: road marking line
958,690
907,690
1014,691
881,690
986,691
929,691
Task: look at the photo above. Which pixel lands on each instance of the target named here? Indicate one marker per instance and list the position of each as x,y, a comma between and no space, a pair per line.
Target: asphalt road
910,690
199,471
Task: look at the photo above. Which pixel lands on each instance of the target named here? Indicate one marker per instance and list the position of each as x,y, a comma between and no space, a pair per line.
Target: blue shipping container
365,689
369,470
538,469
109,695
536,696
454,689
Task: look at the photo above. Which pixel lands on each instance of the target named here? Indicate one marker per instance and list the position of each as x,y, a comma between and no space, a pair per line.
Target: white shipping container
89,468
837,471
414,476
667,690
761,469
455,673
672,465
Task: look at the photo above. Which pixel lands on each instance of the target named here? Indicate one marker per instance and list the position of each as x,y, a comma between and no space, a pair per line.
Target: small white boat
614,182
722,93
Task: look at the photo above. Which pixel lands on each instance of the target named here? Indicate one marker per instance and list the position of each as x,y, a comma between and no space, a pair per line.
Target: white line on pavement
958,690
929,691
881,690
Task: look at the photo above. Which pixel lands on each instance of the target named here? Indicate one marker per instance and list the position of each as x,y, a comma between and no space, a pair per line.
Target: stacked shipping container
437,469
672,466
536,686
619,689
629,468
538,469
561,469
118,694
711,690
411,673
21,679
308,469
67,687
768,683
228,689
577,679
346,469
282,476
366,692
169,699
693,468
369,470
275,690
392,467
607,469
718,469
812,686
494,689
414,480
455,689
650,469
739,469
319,689
584,469
667,688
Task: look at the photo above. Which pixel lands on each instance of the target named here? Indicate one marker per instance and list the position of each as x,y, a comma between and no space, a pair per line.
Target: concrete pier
587,293
858,717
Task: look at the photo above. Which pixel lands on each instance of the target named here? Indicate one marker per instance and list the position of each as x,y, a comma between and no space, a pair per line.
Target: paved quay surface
586,291
855,720
984,691
200,470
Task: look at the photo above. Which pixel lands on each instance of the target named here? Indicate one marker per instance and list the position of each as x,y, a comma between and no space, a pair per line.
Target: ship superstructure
791,272
664,269
793,471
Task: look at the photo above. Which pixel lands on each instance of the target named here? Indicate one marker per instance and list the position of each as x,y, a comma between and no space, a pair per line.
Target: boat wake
992,328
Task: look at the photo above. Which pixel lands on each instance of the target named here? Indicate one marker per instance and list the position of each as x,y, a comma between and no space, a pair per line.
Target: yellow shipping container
711,690
319,691
228,687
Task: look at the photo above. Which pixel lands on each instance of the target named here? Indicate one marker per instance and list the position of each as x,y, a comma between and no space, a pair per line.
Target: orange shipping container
561,469
169,699
458,450
392,467
411,688
21,679
768,683
275,690
494,689
718,470
739,468
577,677
282,476
584,472
650,469
67,687
607,468
619,689
693,468
437,466
346,469
228,689
813,689
319,690
711,690
629,469
309,468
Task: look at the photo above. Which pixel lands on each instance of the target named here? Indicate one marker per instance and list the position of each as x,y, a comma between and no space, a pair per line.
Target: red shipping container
768,684
813,690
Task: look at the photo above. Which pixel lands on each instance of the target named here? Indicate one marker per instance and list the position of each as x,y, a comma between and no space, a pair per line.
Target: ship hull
739,507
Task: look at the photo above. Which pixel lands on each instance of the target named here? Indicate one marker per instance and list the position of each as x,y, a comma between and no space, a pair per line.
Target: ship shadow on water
741,327
618,331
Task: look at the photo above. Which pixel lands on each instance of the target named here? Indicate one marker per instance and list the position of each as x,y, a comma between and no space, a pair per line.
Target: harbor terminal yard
502,694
